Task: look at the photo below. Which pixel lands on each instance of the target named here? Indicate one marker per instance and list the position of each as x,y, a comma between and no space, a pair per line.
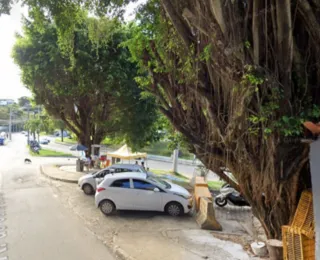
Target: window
102,174
143,185
117,170
163,184
125,183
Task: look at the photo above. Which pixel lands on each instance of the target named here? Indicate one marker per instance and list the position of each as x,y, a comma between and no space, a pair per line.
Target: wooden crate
303,220
297,246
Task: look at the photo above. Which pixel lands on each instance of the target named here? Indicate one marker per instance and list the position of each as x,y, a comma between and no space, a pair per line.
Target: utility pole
175,159
28,120
10,124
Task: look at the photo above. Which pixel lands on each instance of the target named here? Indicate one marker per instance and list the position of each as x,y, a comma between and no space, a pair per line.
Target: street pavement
33,222
45,219
186,170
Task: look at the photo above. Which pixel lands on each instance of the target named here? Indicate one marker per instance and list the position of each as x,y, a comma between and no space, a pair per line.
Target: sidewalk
55,173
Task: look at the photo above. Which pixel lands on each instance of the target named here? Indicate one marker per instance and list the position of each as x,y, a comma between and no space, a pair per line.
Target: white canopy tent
126,153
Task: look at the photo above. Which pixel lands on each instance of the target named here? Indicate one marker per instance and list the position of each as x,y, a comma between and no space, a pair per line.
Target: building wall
315,172
6,102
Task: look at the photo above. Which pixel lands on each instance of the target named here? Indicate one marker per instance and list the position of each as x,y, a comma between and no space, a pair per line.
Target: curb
65,144
54,178
119,252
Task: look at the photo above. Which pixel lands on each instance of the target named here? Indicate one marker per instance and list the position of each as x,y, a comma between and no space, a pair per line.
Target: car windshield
161,183
143,170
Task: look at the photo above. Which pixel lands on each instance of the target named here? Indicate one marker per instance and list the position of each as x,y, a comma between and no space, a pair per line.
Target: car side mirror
156,190
112,171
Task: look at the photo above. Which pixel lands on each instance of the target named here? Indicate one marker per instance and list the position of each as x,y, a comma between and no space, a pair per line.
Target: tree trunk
62,132
273,200
98,138
85,140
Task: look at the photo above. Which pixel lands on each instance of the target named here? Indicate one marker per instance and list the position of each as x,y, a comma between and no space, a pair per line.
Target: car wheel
174,209
107,207
88,189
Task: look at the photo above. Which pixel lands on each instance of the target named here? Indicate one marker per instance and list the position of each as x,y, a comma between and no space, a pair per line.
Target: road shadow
134,214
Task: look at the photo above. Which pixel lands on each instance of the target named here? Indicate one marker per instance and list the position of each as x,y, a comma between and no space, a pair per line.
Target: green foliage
23,101
97,79
35,125
5,6
267,119
247,44
252,77
205,55
4,113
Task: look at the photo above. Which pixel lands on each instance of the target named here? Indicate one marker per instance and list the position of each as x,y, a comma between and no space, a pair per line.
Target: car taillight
100,189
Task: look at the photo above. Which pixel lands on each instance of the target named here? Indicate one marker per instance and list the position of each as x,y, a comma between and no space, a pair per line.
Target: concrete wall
315,172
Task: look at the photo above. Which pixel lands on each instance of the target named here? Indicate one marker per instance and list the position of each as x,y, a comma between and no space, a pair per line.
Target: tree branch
177,22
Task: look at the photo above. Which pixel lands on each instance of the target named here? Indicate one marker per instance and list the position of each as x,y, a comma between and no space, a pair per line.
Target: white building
6,102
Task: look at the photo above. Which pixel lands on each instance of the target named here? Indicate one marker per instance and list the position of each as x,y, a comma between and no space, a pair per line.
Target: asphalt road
33,223
186,170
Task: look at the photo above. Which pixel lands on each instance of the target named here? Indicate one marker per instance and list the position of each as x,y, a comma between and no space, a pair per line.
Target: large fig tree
92,90
237,79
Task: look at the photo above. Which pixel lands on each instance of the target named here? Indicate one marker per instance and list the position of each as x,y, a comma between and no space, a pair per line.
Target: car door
145,196
122,194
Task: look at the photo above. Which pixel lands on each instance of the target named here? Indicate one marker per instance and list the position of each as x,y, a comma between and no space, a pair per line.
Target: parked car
44,141
138,191
89,182
34,144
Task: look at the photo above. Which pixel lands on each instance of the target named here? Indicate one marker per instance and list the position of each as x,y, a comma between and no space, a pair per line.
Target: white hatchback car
138,191
89,182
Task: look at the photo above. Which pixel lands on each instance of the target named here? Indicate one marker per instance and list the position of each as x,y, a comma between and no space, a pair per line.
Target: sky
10,85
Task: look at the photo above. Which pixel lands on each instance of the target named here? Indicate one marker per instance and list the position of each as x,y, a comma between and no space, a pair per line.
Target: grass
161,148
176,174
66,140
215,185
49,153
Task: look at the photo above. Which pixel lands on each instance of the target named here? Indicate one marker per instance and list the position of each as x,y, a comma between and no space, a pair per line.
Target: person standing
142,164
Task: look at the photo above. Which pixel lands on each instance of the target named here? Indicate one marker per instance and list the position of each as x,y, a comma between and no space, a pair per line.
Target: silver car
89,182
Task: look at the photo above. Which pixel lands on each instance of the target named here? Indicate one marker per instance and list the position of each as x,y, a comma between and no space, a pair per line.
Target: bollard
206,218
201,189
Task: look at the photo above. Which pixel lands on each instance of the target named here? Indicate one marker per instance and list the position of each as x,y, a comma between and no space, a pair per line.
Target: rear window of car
125,183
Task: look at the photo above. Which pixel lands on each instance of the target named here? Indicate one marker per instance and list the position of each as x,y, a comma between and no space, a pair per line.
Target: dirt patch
243,240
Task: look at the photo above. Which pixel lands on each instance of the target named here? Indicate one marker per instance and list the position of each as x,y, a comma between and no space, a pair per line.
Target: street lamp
28,106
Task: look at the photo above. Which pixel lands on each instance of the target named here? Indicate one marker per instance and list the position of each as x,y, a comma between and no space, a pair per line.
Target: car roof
125,166
127,175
